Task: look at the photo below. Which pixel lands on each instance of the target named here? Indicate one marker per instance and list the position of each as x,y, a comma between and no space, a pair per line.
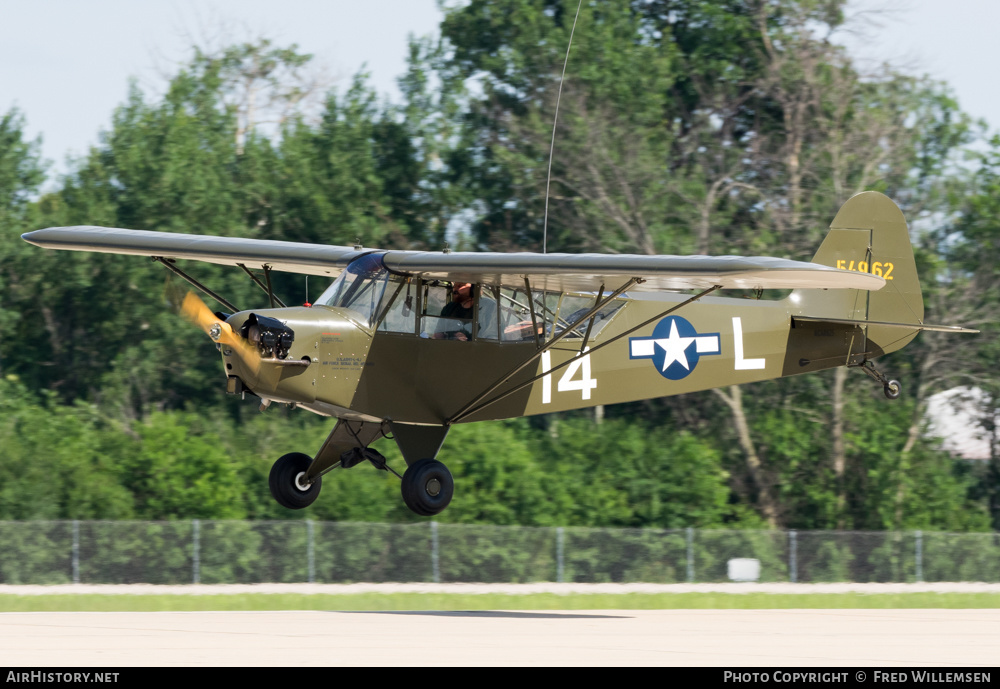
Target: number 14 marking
581,364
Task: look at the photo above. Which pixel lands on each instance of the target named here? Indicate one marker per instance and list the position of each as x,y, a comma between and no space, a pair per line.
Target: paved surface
734,638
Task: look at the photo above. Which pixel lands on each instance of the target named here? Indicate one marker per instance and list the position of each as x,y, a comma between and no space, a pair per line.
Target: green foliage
21,171
180,469
58,461
685,126
633,476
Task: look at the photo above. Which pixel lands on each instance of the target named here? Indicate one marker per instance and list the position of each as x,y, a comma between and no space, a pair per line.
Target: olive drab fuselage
363,365
357,371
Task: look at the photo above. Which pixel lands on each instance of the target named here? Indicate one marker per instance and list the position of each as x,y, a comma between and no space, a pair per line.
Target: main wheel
427,487
285,481
892,389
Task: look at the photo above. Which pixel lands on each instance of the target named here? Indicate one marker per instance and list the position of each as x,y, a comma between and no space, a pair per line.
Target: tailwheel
892,389
427,487
287,481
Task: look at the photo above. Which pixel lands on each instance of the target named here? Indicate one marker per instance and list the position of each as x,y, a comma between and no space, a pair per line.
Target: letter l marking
740,363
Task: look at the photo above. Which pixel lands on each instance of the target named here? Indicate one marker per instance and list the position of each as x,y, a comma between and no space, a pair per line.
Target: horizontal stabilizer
884,324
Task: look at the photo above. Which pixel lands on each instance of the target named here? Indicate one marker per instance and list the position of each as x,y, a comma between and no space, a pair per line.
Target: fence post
793,557
196,551
435,562
920,555
311,551
690,555
559,554
76,551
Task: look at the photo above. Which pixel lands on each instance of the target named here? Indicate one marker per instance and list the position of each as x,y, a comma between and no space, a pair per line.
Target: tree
967,251
21,174
196,160
734,127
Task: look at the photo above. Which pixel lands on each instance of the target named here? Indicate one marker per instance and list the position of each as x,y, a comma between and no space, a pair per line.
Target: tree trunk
839,451
734,400
913,434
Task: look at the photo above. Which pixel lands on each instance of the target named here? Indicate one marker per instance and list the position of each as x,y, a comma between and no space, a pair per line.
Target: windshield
359,288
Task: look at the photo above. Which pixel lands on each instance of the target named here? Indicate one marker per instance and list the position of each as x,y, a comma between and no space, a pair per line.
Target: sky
66,64
949,40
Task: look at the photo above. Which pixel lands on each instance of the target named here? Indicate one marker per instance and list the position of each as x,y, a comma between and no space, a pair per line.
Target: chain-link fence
215,552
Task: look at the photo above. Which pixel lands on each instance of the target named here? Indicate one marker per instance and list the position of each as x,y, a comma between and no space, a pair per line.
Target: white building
953,415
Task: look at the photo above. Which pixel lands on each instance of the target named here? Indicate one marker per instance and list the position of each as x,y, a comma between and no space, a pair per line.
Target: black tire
283,481
893,389
427,487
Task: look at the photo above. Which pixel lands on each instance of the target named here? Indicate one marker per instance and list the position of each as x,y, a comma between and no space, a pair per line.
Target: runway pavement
720,638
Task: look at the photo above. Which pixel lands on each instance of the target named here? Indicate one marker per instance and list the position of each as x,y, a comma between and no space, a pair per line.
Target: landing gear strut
427,485
891,388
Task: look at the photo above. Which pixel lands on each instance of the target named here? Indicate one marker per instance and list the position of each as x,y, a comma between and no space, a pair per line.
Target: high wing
562,272
289,257
588,272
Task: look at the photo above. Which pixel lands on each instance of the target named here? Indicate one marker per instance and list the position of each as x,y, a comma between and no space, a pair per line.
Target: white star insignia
675,348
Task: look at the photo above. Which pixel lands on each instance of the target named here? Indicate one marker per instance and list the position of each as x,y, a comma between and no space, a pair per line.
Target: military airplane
409,343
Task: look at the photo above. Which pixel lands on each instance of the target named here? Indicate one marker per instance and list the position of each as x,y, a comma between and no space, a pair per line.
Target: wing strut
267,288
177,271
470,407
474,406
590,324
531,305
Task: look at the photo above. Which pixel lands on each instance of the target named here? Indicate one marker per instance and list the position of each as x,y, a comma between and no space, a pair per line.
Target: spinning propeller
194,309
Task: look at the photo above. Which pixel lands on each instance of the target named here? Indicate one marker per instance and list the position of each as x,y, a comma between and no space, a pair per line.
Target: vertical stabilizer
869,235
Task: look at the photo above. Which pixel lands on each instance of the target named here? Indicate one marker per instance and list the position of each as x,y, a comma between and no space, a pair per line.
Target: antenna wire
552,145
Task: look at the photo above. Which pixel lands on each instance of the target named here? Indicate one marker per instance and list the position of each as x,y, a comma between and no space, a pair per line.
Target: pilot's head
462,291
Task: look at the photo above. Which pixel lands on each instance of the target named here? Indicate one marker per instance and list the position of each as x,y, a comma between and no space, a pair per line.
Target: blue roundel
675,347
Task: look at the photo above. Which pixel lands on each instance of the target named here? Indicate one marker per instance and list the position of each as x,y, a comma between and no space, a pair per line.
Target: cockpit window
553,313
359,288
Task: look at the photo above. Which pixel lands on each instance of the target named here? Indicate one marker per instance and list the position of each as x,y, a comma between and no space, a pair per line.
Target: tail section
869,235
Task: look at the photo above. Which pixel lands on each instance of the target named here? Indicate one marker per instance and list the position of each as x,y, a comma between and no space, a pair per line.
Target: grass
449,601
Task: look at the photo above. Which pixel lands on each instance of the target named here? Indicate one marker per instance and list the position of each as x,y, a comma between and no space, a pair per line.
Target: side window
515,315
433,297
488,315
400,298
505,314
446,311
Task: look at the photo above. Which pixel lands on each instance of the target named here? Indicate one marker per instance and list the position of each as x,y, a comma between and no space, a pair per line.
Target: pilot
460,307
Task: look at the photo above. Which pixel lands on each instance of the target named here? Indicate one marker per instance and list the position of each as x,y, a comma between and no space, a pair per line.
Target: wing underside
557,272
